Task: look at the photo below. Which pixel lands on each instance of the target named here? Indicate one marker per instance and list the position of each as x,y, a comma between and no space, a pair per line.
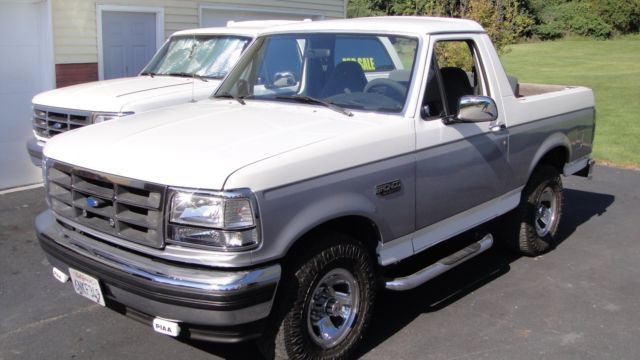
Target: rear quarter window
368,52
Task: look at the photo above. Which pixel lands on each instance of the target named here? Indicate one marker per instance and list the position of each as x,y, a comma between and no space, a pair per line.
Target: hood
197,145
113,95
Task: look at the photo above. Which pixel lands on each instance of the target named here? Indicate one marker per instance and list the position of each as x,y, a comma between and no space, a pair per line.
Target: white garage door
220,17
24,72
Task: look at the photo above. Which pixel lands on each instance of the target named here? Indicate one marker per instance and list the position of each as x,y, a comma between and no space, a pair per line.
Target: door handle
498,128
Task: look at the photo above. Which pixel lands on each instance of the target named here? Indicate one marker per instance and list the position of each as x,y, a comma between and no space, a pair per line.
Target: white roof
384,24
262,23
251,28
235,30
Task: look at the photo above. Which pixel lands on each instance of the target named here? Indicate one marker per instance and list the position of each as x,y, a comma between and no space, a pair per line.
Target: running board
441,266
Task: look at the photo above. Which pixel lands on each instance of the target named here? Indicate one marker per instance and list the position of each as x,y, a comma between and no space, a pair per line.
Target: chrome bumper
193,295
34,148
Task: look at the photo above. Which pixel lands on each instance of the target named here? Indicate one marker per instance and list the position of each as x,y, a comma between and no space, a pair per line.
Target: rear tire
538,216
325,302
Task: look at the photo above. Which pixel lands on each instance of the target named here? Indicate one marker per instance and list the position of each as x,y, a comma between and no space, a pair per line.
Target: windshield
199,55
357,71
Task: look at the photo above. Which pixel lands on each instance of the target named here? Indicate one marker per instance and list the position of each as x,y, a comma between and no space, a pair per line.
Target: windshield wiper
311,100
147,73
228,95
186,74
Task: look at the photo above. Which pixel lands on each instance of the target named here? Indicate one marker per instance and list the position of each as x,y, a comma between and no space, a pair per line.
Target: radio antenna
193,73
193,85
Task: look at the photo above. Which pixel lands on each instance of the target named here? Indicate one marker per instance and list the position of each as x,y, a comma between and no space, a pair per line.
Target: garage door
129,42
22,75
220,17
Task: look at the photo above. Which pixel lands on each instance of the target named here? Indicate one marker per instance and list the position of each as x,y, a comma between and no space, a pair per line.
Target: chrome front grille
50,122
130,209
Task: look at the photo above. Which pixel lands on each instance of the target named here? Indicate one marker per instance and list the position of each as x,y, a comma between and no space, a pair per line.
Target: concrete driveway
580,301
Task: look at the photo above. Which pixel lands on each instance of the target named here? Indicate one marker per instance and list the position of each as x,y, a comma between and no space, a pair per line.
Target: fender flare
321,212
555,140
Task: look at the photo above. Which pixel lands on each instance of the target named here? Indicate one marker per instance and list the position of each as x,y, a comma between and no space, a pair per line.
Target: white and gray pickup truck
188,67
333,152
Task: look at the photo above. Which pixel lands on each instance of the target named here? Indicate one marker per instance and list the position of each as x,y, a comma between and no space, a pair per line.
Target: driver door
460,167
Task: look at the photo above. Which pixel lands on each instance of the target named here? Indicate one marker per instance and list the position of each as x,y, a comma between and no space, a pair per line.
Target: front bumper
34,148
209,304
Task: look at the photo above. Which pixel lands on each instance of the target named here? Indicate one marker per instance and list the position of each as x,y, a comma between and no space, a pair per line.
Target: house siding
74,21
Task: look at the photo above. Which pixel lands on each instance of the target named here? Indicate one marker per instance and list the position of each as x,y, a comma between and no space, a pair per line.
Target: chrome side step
443,265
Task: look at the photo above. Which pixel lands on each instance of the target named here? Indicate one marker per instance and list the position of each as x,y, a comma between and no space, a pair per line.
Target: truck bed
530,89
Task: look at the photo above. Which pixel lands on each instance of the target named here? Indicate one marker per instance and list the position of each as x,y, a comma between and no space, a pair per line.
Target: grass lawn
611,68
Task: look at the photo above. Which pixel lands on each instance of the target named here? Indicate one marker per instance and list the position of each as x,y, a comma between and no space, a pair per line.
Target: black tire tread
288,340
527,242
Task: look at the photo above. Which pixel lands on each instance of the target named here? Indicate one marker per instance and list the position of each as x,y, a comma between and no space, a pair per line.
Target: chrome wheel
333,308
546,214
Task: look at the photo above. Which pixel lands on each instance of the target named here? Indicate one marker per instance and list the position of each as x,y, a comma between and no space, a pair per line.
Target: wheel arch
358,226
555,151
347,211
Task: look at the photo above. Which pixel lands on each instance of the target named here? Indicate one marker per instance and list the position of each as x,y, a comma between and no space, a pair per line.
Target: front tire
539,213
325,303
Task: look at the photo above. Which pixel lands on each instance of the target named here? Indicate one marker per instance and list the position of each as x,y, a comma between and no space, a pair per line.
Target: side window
455,72
368,52
433,104
454,54
282,64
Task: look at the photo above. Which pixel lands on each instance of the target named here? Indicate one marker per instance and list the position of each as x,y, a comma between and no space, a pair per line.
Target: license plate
87,286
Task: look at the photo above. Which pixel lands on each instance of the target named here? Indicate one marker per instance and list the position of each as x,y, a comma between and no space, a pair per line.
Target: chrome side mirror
475,108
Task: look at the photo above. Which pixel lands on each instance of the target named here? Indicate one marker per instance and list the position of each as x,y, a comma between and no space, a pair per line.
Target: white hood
121,94
197,145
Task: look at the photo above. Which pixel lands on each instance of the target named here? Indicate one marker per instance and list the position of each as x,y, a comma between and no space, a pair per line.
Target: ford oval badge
93,202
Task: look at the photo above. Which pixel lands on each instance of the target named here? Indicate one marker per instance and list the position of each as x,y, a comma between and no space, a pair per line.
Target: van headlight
223,221
106,116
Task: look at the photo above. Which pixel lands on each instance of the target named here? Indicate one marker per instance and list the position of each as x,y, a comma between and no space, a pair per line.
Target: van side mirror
475,108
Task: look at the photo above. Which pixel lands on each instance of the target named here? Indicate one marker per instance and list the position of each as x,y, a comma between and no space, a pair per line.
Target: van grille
48,123
126,208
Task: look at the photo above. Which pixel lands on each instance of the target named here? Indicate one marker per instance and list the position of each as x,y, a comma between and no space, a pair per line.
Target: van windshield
200,55
357,71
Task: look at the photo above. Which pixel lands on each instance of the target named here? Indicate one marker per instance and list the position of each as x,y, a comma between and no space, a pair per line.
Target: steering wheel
386,87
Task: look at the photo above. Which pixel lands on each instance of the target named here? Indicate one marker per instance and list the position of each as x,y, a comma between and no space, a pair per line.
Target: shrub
550,31
506,22
577,17
623,16
590,25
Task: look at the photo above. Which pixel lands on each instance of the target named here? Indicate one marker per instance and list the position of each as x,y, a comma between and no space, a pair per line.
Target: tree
506,21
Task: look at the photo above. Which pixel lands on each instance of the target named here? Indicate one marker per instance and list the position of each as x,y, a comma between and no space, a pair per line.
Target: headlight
225,221
102,117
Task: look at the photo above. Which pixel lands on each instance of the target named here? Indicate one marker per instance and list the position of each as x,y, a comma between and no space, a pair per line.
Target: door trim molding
100,9
314,14
428,236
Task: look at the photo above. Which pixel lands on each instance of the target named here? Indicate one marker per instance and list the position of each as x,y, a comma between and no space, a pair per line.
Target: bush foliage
508,21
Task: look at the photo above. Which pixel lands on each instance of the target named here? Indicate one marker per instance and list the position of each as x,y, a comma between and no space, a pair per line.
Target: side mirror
283,79
475,108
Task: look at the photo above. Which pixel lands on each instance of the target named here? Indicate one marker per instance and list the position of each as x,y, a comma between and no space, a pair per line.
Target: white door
220,17
25,70
128,42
